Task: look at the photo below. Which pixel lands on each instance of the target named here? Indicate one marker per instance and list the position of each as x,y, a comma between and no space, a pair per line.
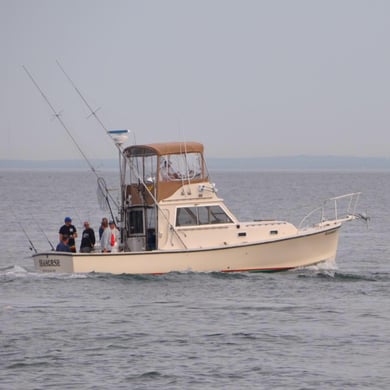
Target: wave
12,272
343,276
14,268
324,270
352,277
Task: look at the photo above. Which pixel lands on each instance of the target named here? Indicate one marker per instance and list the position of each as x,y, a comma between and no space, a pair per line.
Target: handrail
348,214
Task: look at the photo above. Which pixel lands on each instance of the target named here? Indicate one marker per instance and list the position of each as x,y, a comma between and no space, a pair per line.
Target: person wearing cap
87,239
69,230
63,244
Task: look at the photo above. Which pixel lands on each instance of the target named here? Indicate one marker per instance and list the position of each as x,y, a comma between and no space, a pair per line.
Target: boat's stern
58,262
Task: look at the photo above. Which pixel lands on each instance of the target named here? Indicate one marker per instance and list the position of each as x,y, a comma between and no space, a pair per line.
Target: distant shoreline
259,163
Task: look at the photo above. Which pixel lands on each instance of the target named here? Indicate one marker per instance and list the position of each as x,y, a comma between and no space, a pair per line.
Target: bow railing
339,208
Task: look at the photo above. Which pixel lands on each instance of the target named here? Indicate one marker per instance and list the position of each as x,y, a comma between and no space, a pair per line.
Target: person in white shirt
105,240
114,237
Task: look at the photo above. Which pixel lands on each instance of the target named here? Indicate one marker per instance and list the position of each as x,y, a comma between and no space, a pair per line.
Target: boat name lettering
49,263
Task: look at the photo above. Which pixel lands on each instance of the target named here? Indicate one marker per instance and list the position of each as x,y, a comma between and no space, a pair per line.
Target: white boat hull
307,248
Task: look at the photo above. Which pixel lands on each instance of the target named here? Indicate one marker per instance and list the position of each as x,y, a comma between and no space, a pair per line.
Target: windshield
180,166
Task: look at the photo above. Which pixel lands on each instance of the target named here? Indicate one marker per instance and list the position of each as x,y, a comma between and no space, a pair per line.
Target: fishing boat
172,219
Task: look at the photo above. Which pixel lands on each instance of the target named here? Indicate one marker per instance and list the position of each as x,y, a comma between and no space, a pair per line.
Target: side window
204,215
186,216
217,215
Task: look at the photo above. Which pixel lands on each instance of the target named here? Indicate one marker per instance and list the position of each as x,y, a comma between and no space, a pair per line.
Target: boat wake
12,272
328,265
324,270
330,270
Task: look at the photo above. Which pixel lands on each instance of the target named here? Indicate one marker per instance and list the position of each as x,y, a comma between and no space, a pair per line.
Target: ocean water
325,327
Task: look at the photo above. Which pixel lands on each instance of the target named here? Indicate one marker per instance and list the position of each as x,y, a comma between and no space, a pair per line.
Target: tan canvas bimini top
165,148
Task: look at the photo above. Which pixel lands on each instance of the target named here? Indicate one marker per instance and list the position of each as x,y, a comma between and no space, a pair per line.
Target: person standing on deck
87,239
101,228
105,241
114,237
69,230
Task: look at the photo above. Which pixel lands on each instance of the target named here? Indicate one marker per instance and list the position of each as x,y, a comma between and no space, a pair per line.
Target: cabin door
136,236
141,228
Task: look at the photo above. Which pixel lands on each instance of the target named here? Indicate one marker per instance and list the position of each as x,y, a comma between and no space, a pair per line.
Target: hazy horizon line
276,162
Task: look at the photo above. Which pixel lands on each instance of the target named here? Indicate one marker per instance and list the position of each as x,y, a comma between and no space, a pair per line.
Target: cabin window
186,216
202,215
143,168
212,214
149,169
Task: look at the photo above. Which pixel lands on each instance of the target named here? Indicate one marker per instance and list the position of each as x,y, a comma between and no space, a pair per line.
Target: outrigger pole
92,112
118,145
58,117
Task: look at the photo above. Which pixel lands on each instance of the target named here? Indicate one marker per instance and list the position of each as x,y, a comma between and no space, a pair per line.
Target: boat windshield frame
165,167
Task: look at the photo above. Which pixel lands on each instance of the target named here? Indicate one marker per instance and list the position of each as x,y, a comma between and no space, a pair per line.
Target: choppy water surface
323,327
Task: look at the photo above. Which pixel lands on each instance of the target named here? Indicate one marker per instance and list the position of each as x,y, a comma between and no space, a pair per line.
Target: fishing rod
42,231
102,199
58,117
47,238
32,247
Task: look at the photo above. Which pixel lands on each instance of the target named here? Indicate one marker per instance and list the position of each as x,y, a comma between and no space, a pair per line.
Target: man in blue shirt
63,245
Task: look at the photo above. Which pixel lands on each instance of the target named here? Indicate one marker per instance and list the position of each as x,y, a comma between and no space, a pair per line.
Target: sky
247,78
